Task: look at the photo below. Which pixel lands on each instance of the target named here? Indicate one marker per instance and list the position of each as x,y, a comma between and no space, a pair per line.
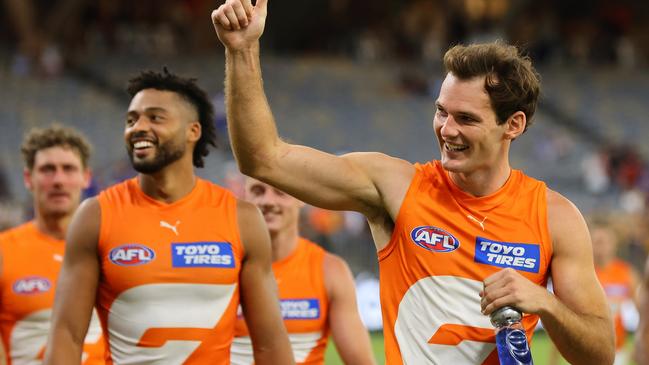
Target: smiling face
465,124
56,181
281,211
161,128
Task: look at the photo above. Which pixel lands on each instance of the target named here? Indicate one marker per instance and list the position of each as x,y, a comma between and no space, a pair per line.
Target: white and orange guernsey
31,261
445,243
304,306
168,290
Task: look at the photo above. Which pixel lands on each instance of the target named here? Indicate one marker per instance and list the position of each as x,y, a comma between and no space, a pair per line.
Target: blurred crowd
45,37
48,35
622,173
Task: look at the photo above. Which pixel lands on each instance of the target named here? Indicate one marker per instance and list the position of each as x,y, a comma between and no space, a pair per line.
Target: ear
515,125
87,177
194,131
27,179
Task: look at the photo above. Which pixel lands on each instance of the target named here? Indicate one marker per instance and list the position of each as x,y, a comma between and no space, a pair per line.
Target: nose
137,127
58,177
449,127
264,200
141,122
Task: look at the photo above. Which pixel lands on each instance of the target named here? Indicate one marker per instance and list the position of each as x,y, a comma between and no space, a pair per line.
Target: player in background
618,278
56,172
457,238
641,354
167,256
316,288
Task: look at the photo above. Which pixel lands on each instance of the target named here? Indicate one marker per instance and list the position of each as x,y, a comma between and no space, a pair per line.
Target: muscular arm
76,287
259,292
578,318
352,182
642,334
349,334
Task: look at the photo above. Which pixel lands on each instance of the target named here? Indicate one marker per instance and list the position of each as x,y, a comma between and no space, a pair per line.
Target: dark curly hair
511,81
188,90
55,135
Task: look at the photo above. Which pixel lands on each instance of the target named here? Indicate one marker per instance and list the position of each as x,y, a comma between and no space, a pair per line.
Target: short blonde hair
55,135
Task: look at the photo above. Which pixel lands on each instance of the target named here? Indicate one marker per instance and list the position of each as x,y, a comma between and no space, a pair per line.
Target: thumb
261,5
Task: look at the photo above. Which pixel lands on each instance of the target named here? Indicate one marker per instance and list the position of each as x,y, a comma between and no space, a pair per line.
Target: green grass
540,349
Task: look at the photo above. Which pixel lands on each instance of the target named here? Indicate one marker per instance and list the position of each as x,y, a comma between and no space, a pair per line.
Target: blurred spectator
11,214
5,193
595,172
233,180
41,28
369,301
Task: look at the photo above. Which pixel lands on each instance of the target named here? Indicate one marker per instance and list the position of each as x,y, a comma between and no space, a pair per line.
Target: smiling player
165,255
456,238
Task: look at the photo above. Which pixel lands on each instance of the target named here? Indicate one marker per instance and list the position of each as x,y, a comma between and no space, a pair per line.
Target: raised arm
351,182
349,334
259,292
76,287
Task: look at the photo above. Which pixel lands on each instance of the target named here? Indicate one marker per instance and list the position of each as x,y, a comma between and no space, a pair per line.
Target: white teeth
142,144
455,147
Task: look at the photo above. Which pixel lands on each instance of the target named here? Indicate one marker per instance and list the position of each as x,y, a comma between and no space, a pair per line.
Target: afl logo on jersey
434,239
32,285
131,255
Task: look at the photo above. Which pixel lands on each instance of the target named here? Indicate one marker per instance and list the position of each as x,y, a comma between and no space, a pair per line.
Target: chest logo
173,228
132,254
518,256
202,254
478,222
434,239
32,285
307,308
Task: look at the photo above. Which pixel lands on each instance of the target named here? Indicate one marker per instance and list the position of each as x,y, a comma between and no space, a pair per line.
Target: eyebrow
438,105
470,115
152,109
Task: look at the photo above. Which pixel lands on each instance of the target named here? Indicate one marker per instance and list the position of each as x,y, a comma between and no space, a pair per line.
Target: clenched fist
239,24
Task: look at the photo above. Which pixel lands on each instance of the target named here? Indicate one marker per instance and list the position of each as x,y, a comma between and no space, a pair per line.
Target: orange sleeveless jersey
31,262
616,281
445,242
168,290
304,305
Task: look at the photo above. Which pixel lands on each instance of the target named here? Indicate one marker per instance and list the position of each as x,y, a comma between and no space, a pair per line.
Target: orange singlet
304,305
616,281
168,292
445,242
31,261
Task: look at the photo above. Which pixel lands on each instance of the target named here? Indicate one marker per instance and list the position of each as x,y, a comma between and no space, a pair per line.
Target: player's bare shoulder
86,222
252,227
337,274
564,218
560,208
334,266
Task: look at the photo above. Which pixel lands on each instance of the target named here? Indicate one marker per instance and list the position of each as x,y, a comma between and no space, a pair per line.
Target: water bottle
510,337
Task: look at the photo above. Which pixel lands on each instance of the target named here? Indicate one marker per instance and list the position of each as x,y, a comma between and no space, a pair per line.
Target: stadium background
344,75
